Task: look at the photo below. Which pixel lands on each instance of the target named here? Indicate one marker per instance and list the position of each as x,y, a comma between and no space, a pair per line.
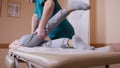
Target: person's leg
56,20
33,40
57,43
76,43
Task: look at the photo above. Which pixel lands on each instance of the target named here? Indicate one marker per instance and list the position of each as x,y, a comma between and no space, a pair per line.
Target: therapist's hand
41,32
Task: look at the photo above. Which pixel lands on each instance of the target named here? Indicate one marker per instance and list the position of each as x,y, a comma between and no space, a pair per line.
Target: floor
4,52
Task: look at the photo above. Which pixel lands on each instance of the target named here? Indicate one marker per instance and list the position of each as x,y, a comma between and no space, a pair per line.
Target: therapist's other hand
41,32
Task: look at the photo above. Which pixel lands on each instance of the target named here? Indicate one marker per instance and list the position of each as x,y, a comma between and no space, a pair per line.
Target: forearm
35,22
47,13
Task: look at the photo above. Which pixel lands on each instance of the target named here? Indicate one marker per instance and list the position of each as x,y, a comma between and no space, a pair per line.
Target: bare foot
15,44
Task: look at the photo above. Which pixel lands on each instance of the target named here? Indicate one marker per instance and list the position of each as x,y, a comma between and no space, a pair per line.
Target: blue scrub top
64,29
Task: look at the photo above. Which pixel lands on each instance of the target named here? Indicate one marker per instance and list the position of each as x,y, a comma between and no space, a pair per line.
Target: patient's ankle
70,43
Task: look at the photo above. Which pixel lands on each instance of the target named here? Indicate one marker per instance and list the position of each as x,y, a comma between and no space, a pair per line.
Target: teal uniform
64,29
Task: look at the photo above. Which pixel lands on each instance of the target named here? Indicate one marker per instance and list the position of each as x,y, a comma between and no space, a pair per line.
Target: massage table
61,58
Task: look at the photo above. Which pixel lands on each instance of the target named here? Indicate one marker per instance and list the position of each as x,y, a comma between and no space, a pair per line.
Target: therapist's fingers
42,33
35,32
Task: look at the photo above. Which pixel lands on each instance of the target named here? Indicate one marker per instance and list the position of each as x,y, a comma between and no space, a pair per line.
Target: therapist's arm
34,23
47,13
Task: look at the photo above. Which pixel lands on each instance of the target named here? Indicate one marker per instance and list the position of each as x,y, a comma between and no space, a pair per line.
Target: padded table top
70,60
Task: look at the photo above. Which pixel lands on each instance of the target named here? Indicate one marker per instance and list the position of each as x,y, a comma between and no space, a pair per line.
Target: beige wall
104,21
12,28
112,13
97,30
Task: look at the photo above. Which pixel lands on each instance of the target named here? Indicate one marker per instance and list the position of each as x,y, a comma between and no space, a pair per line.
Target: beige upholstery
71,60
